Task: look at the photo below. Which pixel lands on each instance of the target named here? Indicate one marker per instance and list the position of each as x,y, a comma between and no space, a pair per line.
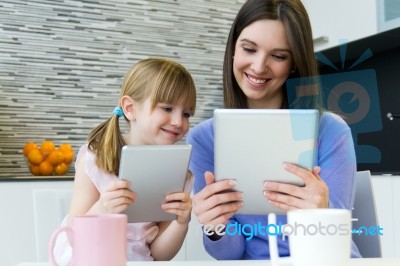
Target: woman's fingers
215,188
219,214
314,194
201,204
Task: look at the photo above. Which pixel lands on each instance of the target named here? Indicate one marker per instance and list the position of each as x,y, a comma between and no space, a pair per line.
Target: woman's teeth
258,81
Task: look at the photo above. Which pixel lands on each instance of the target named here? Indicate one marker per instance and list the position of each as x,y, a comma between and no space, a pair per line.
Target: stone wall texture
62,62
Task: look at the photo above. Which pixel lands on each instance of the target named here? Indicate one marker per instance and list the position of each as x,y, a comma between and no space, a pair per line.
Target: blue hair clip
118,111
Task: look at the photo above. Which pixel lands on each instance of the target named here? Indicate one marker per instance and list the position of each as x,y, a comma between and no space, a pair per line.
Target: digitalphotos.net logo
352,94
286,230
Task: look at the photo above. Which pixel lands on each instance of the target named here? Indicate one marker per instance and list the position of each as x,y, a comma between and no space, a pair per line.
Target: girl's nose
176,120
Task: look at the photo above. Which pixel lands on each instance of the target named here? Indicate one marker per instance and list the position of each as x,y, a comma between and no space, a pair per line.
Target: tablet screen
251,146
154,171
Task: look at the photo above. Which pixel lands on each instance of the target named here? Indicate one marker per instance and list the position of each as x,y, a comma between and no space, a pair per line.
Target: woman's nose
259,65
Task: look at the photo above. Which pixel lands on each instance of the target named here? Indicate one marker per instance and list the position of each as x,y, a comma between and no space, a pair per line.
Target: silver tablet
251,146
154,171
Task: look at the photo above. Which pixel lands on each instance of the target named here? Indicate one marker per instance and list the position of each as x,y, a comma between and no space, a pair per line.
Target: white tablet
154,171
251,146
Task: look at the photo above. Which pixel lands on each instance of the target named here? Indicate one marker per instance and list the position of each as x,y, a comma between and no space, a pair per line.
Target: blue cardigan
337,160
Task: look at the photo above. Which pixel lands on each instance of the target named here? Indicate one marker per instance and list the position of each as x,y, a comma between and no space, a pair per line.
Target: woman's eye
249,50
279,57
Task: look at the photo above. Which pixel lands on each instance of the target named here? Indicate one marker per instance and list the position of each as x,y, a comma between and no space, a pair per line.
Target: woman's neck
275,103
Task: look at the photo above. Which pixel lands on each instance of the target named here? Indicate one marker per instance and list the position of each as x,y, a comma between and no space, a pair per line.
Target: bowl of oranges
46,159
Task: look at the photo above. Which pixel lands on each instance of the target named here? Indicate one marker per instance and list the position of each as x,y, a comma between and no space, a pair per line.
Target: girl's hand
216,202
288,197
116,196
179,204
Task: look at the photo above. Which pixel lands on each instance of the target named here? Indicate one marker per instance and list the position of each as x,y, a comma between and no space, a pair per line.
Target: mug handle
273,246
53,238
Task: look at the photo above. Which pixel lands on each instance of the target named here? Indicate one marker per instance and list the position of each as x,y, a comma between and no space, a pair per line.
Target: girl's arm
172,234
86,199
169,240
85,193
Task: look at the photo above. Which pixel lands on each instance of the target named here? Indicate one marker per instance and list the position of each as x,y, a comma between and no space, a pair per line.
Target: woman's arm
210,205
336,172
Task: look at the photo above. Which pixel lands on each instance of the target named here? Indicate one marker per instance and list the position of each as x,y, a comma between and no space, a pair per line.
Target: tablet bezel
241,141
154,171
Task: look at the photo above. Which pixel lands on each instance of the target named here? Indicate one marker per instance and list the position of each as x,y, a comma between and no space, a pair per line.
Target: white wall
387,198
341,20
17,234
17,231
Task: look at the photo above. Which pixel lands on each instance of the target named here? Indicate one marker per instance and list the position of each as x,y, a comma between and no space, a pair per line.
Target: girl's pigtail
106,142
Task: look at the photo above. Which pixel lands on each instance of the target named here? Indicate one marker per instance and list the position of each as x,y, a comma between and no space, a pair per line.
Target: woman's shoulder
204,129
331,121
332,126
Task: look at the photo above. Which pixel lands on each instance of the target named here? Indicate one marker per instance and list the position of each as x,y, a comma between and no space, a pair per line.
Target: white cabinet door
334,22
388,14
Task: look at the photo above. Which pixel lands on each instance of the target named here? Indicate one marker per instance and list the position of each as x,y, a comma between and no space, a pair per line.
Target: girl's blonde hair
164,81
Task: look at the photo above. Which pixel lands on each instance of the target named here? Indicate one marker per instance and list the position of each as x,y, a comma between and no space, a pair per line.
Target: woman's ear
128,105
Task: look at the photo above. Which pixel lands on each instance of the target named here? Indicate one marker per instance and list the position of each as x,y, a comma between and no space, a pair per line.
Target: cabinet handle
321,39
391,116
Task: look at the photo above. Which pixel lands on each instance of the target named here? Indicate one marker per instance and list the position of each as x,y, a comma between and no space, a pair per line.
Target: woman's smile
256,80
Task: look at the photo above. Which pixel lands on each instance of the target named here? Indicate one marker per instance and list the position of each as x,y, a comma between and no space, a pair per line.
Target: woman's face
262,63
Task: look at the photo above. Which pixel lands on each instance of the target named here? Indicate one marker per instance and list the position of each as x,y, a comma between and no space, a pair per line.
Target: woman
270,41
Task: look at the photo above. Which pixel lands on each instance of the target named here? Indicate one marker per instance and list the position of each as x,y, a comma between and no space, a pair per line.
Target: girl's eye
187,115
167,109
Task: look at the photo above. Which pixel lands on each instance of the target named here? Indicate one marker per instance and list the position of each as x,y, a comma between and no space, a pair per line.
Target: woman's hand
116,196
216,202
179,204
288,197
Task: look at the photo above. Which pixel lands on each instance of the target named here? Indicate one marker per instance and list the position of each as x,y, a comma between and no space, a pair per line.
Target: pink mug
95,240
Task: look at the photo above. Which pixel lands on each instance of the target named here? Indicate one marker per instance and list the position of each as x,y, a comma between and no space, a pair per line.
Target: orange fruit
45,168
55,157
61,169
68,156
35,157
28,147
46,147
65,147
34,169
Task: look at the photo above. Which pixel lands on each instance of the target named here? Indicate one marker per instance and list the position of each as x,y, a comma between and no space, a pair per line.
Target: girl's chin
168,140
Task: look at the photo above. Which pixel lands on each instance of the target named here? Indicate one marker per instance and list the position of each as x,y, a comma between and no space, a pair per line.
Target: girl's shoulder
99,177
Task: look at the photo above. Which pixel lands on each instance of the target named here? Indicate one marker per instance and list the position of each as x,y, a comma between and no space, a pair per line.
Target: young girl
158,97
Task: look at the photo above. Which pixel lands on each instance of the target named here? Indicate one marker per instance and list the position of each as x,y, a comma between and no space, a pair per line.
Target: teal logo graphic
353,95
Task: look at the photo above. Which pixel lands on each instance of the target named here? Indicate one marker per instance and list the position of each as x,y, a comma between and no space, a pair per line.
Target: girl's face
165,124
262,63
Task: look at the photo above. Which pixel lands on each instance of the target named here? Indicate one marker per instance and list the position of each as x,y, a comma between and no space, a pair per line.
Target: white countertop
353,262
